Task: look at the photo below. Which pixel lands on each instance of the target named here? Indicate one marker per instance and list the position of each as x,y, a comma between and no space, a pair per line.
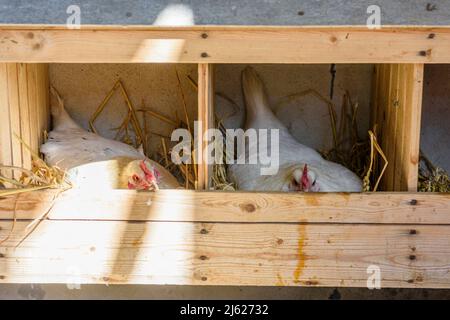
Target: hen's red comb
147,172
305,179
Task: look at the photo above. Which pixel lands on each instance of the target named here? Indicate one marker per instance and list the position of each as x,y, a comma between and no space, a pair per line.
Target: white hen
300,168
95,162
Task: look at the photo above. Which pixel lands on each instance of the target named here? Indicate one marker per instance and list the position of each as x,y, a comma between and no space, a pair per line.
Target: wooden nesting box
218,238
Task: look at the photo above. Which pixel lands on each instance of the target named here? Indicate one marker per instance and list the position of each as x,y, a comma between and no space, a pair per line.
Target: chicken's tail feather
59,108
61,119
255,97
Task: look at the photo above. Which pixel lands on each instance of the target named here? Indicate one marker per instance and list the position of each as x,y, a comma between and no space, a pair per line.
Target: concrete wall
307,117
435,131
154,86
230,12
84,86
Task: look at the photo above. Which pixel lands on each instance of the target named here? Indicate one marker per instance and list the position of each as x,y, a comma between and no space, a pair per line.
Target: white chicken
93,162
300,168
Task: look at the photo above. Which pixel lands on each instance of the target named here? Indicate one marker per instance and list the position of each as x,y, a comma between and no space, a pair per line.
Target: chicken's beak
155,185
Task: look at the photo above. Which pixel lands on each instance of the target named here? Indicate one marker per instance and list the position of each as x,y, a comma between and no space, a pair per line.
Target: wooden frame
186,237
203,238
206,118
224,44
24,112
397,111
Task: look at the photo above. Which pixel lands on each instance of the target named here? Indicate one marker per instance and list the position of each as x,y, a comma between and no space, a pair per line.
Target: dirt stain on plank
280,281
301,257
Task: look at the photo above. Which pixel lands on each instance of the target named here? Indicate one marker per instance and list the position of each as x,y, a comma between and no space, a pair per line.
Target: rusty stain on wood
280,281
311,200
300,253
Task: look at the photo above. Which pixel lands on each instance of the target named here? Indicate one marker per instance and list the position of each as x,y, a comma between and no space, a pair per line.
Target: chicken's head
142,175
303,180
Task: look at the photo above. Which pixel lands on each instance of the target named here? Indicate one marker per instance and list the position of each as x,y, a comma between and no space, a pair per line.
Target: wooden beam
207,121
398,114
24,112
226,45
239,207
6,157
14,116
117,252
412,124
204,238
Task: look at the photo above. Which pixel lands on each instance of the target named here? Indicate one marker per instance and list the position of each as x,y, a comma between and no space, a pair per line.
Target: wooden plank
14,115
242,207
228,45
413,115
386,132
33,106
392,125
117,252
398,114
24,111
399,141
5,127
42,99
375,95
206,116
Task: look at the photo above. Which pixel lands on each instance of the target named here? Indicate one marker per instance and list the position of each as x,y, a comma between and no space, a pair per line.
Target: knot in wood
248,207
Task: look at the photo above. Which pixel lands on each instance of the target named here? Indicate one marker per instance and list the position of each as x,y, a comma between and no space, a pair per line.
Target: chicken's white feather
293,156
90,158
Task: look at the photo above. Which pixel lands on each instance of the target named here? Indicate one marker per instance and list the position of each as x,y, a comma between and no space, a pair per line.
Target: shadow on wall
30,291
435,131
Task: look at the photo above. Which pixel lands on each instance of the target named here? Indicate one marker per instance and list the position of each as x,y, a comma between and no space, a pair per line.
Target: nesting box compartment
187,237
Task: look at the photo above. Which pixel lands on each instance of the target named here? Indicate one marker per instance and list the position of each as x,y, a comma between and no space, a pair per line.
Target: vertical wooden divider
24,111
5,125
206,116
397,104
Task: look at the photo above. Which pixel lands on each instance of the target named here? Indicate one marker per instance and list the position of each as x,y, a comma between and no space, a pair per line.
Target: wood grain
398,116
6,157
226,45
226,254
24,111
206,116
239,207
14,115
24,114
